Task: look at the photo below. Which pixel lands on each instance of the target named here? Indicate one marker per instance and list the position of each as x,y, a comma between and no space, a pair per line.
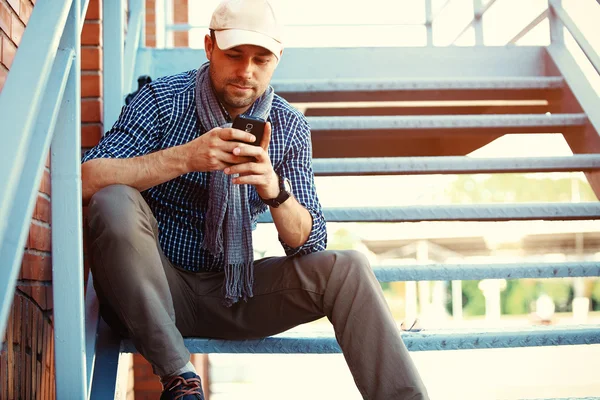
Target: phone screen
255,126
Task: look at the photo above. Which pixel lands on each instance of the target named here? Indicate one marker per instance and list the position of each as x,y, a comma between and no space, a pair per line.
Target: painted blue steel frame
132,43
67,246
20,106
112,59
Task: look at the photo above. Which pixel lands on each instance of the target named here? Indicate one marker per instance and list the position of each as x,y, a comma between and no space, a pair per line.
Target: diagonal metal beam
22,95
543,15
579,37
476,17
132,43
11,248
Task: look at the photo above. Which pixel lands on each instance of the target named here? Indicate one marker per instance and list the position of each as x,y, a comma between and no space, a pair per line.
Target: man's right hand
213,151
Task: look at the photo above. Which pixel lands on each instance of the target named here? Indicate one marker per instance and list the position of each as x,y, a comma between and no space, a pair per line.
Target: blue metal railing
39,109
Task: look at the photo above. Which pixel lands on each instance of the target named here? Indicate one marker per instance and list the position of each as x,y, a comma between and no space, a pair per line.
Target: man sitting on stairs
174,193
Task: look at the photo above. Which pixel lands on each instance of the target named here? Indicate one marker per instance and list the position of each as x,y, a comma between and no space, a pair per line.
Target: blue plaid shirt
162,115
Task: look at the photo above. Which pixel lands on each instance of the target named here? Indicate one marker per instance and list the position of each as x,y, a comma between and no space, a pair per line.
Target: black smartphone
255,126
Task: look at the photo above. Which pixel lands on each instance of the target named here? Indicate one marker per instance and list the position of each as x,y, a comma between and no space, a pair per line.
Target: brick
5,18
91,59
91,84
15,4
91,33
38,294
8,52
150,18
90,135
42,210
94,11
46,185
180,11
18,28
36,267
26,10
91,110
180,39
40,238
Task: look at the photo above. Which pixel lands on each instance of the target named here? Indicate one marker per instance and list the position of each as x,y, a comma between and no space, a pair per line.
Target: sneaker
186,386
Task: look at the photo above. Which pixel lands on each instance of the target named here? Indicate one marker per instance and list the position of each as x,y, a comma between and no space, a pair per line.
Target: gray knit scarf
227,226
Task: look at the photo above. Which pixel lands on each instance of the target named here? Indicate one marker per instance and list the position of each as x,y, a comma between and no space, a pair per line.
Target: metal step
452,272
508,123
325,343
418,89
451,165
472,212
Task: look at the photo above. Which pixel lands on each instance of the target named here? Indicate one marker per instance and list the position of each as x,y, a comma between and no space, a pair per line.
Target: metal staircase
466,97
463,98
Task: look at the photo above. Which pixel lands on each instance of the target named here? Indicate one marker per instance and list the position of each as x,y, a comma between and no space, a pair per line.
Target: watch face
287,185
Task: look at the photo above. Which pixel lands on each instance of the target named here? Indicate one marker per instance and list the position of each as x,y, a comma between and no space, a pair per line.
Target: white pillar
491,289
457,304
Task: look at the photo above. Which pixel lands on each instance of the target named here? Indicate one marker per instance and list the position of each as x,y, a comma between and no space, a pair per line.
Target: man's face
239,75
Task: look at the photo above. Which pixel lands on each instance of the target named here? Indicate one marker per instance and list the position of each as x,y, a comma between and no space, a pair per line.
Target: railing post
478,22
557,34
67,246
429,22
112,61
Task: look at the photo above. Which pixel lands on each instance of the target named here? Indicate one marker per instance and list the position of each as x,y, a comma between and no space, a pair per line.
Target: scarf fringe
239,279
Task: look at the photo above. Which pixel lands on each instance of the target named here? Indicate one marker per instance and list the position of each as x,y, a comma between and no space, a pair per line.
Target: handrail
20,103
579,37
22,94
536,21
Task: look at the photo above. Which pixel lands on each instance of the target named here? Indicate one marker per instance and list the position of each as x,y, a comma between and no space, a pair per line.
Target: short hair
212,36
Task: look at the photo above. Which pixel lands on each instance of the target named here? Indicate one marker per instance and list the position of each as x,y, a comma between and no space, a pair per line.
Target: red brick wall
180,16
150,23
91,76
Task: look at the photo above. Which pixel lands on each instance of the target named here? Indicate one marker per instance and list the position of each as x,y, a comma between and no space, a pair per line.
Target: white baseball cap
239,22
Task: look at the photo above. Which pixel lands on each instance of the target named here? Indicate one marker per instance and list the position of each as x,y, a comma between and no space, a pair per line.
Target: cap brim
229,38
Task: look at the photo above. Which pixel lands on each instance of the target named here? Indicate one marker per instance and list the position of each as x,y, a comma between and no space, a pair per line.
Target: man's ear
208,46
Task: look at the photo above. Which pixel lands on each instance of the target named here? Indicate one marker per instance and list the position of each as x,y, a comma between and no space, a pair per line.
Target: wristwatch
285,192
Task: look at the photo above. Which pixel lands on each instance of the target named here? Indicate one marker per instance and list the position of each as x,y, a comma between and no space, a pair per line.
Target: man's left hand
258,173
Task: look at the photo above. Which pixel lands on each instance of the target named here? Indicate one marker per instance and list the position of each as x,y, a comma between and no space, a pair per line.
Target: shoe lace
183,387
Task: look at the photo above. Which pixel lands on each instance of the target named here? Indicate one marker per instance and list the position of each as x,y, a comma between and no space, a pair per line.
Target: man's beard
236,101
231,100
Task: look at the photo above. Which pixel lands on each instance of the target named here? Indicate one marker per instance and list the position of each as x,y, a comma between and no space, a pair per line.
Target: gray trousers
143,296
